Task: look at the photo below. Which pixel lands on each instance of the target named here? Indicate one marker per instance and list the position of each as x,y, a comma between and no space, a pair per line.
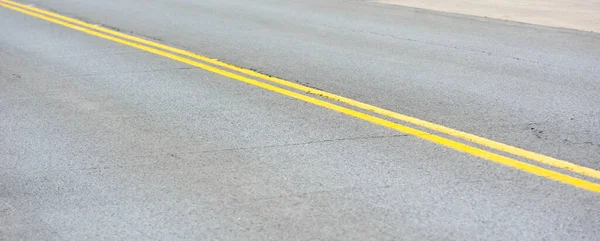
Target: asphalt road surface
104,141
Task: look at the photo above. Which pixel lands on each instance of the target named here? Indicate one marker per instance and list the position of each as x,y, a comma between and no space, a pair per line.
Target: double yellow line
308,94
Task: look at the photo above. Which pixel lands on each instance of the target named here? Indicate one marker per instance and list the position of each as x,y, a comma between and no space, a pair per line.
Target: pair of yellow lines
308,94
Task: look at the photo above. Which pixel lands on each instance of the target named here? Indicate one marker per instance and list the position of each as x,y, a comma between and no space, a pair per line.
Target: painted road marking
585,171
145,45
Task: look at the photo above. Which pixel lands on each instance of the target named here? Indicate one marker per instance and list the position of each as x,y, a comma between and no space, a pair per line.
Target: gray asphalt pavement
101,141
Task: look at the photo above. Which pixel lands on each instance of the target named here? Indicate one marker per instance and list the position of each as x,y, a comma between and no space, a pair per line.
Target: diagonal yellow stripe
583,184
586,171
565,165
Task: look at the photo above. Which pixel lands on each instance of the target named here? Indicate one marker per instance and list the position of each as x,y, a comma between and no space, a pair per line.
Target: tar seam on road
143,44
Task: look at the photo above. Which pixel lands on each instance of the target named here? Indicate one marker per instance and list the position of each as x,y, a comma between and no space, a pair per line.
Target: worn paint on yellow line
56,18
586,171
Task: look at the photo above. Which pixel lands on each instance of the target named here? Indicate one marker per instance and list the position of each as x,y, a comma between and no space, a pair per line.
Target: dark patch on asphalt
540,134
10,78
156,39
581,143
174,156
536,131
308,85
258,71
297,82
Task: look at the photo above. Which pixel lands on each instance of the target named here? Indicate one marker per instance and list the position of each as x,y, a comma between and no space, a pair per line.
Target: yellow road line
553,175
586,171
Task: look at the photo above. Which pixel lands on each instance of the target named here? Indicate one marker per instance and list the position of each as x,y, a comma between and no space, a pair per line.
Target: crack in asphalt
302,143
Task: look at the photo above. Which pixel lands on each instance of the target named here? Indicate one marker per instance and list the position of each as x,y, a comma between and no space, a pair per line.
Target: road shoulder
580,15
